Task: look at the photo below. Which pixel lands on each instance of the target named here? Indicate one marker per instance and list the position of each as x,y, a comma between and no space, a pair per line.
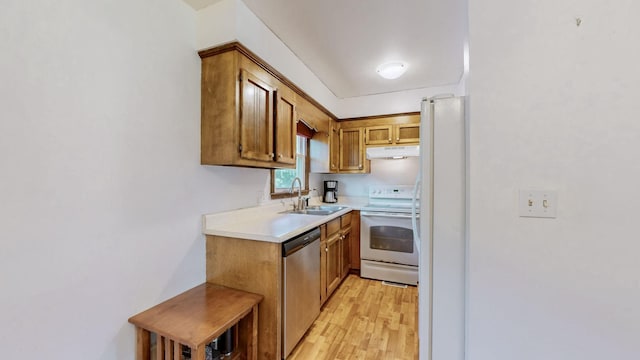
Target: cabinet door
334,143
345,257
355,240
285,130
333,263
407,134
351,150
378,135
323,263
256,118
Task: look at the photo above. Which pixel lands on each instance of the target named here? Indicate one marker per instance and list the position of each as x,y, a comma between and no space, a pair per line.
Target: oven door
387,237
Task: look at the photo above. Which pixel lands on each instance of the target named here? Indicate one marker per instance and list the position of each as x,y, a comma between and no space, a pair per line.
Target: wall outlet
538,203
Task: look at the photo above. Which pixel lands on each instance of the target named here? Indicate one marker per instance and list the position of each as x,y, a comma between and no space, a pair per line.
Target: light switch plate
538,203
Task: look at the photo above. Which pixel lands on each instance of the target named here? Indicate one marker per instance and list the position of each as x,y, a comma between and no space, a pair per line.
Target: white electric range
387,247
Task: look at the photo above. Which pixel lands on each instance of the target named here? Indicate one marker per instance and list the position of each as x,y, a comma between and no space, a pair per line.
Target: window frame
305,187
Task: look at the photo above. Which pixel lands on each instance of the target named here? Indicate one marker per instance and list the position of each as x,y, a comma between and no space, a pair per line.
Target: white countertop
267,223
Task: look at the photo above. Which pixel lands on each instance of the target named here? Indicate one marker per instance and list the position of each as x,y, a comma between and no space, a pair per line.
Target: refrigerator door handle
414,217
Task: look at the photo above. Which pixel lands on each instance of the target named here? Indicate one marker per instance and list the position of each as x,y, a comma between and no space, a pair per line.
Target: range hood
392,152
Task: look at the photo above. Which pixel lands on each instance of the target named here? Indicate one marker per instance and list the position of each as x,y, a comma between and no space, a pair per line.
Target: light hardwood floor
364,319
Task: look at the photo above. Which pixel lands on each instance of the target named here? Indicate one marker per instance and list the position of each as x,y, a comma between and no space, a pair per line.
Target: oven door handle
387,215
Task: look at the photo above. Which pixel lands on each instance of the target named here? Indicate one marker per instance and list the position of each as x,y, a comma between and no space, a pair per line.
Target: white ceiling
343,41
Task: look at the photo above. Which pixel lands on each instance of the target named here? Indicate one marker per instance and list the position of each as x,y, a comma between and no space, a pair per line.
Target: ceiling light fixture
392,70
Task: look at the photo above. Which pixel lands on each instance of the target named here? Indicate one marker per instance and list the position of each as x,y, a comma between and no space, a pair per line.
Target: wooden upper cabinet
334,144
285,132
350,137
256,118
392,134
378,135
351,153
407,133
248,114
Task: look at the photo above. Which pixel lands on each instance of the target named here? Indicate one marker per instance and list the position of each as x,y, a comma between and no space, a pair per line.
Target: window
281,179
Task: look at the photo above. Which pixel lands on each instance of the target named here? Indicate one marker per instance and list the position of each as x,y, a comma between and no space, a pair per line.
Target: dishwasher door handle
291,246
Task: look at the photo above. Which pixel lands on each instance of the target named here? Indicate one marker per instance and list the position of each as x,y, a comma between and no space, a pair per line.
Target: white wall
101,191
383,172
216,24
554,106
392,103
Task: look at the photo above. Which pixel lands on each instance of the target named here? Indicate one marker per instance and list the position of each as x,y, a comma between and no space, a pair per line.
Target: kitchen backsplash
383,172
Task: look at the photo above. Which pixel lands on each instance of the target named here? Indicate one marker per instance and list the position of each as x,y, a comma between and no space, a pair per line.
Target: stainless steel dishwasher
301,292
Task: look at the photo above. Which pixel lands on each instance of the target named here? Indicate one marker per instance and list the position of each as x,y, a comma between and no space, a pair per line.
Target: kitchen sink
317,210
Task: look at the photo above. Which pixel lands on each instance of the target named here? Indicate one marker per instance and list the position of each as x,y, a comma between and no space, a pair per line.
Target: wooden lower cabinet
335,254
354,240
257,267
254,266
345,256
334,271
345,237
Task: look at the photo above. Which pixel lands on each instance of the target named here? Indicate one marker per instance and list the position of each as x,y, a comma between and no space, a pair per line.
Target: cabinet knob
389,140
279,156
360,166
326,249
271,155
397,139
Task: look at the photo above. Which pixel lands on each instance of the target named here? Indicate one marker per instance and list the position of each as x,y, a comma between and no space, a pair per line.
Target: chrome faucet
301,203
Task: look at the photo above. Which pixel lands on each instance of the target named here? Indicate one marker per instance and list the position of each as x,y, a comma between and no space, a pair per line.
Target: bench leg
160,347
177,350
143,344
199,353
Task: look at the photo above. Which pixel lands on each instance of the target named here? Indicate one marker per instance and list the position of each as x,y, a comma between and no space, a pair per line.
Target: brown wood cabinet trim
264,65
379,116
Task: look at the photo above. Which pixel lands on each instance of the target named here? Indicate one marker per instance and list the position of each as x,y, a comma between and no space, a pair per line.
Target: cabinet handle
271,155
279,156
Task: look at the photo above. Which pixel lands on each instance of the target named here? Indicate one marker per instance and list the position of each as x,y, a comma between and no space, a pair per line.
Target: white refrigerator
440,229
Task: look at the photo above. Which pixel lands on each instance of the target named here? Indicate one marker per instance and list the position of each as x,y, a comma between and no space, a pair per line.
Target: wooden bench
196,317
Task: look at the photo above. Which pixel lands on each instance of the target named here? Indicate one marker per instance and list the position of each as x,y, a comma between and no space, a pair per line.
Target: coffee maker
330,191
